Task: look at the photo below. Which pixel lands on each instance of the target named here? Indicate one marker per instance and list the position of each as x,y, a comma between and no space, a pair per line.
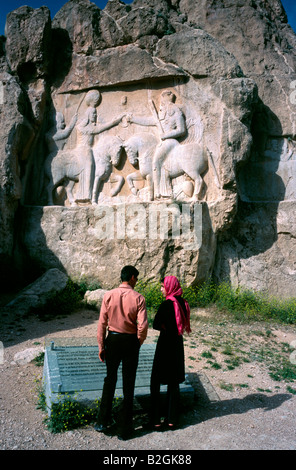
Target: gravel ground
238,405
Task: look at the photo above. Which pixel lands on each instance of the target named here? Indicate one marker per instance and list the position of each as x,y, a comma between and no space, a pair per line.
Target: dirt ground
238,404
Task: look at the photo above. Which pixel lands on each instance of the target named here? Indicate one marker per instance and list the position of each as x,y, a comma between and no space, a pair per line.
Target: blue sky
55,5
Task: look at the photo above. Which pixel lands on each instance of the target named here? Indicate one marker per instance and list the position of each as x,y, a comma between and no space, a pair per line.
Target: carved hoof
134,191
94,203
74,204
194,200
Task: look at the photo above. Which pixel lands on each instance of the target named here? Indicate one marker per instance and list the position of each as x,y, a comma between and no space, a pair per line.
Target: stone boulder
199,54
37,293
27,355
95,296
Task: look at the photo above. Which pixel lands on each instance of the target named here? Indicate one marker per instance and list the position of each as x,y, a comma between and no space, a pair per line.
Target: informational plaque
72,367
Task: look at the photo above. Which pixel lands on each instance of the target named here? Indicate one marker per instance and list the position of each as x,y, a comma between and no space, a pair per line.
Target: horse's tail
211,160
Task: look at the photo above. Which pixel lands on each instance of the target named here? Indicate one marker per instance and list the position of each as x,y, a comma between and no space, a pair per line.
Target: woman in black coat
172,319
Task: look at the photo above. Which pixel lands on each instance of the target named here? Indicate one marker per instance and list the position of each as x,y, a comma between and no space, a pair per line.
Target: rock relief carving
189,159
161,154
78,164
161,163
171,125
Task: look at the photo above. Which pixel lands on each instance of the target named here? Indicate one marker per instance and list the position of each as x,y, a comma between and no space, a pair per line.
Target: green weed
70,414
207,354
61,303
256,305
39,360
226,386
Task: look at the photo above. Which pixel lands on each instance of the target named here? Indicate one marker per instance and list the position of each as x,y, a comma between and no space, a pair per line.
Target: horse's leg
116,179
96,187
167,149
167,182
136,176
95,190
150,186
69,189
55,178
198,181
55,181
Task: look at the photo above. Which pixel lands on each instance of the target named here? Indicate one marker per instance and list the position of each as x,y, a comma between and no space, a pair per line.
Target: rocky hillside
231,65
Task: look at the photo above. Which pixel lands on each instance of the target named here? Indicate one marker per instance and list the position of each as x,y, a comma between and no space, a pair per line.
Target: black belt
124,334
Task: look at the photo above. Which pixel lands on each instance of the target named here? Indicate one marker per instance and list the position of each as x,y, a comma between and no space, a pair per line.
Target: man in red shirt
123,312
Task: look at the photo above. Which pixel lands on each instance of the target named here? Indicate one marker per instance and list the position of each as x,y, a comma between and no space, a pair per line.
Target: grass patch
233,363
283,371
244,304
39,360
226,386
207,354
215,365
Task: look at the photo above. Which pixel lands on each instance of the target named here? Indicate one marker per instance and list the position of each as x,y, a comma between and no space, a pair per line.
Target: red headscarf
173,288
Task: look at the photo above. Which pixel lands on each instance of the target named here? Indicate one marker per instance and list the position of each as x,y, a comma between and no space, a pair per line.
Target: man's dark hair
127,272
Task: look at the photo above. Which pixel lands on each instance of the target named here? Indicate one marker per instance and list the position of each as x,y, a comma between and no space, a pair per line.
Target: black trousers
170,410
120,348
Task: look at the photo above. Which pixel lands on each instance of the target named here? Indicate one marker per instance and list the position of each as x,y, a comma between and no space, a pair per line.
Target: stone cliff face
258,250
175,106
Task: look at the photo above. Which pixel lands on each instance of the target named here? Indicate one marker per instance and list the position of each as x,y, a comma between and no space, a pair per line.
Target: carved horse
64,167
140,149
107,152
190,159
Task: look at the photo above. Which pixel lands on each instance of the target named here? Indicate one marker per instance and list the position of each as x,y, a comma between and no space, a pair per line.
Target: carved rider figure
86,131
171,125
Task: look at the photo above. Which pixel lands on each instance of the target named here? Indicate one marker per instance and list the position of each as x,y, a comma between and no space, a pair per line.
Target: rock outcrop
36,295
178,105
